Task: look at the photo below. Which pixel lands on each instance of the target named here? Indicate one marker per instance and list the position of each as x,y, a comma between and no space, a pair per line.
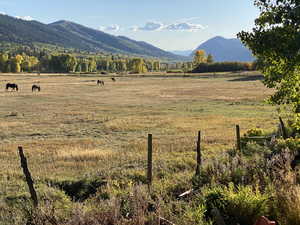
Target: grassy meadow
74,129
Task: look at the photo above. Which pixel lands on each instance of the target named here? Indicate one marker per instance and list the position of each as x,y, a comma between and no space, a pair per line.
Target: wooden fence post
28,177
283,129
149,170
238,138
199,162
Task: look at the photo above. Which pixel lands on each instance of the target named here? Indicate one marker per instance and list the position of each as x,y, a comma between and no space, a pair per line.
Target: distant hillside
224,49
71,35
183,52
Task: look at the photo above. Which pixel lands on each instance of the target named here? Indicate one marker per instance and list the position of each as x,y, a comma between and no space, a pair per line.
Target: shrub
286,206
293,144
254,132
251,148
254,135
241,205
295,124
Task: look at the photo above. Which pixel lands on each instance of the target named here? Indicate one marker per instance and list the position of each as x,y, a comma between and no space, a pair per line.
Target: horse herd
101,82
14,87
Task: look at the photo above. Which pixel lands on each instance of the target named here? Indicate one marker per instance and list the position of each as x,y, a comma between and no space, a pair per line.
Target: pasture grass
74,129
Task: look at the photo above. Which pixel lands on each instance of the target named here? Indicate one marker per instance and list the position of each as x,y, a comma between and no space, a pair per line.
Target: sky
167,24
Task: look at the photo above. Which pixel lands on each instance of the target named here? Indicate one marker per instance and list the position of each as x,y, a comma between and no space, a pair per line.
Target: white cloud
112,28
184,27
177,26
26,18
150,26
2,13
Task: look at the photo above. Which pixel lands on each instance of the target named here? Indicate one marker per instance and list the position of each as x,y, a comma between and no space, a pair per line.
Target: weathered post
238,138
149,170
28,177
199,162
283,129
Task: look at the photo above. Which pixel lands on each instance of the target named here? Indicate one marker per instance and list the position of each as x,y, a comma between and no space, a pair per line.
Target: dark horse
100,82
14,87
36,88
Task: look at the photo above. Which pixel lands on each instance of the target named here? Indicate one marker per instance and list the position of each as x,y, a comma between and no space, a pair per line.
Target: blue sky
168,24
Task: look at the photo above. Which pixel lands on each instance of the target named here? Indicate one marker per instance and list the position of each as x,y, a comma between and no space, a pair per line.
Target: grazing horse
113,79
36,88
14,87
100,82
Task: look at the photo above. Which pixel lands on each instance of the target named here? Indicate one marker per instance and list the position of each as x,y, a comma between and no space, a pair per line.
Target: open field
74,129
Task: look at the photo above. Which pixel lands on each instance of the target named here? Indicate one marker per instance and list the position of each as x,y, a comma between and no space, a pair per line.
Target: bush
241,205
286,206
293,144
254,135
254,132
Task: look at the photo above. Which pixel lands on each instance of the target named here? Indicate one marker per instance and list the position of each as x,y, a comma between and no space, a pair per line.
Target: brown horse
100,82
36,88
14,87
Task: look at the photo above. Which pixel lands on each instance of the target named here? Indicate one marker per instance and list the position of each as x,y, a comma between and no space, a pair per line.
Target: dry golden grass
73,127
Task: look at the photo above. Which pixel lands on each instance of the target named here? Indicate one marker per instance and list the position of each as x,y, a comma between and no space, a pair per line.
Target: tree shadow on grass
248,78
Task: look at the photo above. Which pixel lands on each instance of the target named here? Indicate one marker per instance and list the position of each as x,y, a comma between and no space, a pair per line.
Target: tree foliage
210,58
222,67
275,41
199,57
138,65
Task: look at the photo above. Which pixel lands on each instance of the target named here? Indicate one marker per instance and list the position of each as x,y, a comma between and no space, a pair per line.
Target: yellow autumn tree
199,57
139,66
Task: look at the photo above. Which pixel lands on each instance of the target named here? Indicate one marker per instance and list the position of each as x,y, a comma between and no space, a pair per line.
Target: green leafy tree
121,65
69,62
26,65
84,66
138,65
44,64
92,65
210,58
34,63
3,62
156,66
275,41
78,68
112,66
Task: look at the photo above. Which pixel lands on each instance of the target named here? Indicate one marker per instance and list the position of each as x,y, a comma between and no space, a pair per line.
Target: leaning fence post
198,169
283,129
28,177
149,170
238,138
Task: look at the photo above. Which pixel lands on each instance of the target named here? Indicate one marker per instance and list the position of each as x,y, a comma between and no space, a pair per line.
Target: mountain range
72,35
68,34
223,49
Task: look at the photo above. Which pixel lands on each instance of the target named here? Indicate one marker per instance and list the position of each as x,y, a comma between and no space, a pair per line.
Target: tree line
32,59
203,63
70,63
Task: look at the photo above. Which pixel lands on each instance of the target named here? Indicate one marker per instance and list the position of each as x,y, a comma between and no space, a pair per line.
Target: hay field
74,128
